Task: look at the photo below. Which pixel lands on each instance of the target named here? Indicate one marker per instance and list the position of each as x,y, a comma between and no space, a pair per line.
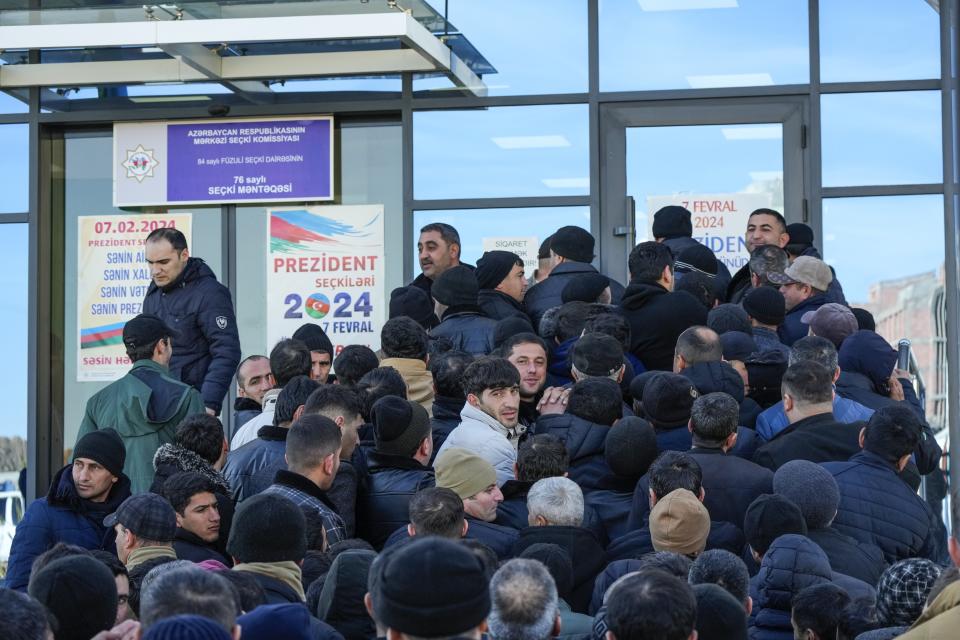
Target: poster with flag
112,281
325,265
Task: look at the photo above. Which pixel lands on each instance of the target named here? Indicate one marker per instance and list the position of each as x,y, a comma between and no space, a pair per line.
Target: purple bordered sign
214,161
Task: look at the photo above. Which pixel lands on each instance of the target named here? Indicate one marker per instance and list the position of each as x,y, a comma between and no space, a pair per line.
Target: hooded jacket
791,564
384,497
467,329
548,293
719,376
445,416
585,552
876,506
941,619
657,317
250,469
62,516
144,406
206,349
482,435
866,362
793,327
497,305
341,599
585,442
417,377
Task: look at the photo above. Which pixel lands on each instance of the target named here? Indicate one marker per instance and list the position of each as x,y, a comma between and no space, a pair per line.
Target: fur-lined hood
182,459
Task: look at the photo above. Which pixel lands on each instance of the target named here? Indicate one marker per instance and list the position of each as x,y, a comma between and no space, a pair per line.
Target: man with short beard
80,496
528,353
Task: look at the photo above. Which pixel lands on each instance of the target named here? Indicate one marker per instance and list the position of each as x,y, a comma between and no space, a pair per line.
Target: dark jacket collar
492,295
808,422
304,484
447,408
515,489
63,493
377,460
246,404
270,432
462,310
572,266
182,535
873,460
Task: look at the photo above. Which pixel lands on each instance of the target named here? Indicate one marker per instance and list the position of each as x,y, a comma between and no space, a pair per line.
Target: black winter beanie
103,446
415,303
314,337
573,243
672,221
81,594
268,528
455,287
493,267
399,425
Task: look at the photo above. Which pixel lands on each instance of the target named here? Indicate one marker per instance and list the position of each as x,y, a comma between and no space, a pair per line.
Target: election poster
325,265
525,247
210,161
719,221
113,277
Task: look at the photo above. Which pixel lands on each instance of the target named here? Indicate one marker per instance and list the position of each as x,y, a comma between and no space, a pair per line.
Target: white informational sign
325,265
719,221
112,280
525,247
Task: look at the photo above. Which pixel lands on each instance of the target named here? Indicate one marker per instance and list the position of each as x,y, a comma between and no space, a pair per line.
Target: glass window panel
474,225
13,345
370,172
503,151
14,167
12,104
881,138
535,46
683,44
88,190
879,40
888,253
722,172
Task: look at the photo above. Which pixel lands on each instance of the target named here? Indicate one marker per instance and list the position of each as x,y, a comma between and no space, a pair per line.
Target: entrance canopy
246,47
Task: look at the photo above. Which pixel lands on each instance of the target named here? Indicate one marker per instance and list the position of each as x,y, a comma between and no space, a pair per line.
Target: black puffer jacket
549,293
498,306
206,349
251,468
876,506
467,329
585,442
657,317
385,494
791,564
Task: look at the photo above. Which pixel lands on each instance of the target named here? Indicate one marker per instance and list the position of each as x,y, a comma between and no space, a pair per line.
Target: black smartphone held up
903,354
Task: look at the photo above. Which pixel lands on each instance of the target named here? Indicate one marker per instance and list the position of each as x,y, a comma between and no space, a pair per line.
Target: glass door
721,160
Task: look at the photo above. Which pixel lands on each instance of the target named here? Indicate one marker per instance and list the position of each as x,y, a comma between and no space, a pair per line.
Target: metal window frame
43,433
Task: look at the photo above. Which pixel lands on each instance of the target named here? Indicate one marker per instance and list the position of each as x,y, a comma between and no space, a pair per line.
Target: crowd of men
698,454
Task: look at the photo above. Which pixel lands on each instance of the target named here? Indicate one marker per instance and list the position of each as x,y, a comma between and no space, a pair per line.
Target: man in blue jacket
804,285
81,495
185,294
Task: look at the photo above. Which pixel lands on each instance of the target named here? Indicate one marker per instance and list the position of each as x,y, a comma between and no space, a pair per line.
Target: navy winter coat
467,329
719,376
497,305
657,317
612,505
817,438
251,468
498,537
445,417
384,500
861,560
206,350
793,328
791,564
548,293
876,506
585,443
513,513
61,516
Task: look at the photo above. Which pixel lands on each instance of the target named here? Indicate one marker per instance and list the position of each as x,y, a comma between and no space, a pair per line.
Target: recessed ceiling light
685,5
753,132
147,99
531,142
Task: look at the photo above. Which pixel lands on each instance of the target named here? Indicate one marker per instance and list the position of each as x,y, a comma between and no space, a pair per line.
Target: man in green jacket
146,405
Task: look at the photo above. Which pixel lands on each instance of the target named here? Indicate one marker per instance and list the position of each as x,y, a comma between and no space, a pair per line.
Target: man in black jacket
193,498
502,285
656,313
672,225
461,321
254,379
764,227
185,294
731,483
438,249
396,467
448,400
571,252
814,434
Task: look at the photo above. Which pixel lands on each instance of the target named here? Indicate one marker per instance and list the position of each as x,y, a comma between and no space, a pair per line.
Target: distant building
914,307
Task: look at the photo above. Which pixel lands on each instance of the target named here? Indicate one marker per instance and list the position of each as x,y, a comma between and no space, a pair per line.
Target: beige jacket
941,620
418,379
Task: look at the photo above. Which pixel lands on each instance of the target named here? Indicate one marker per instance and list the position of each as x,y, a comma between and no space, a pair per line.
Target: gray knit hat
810,487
